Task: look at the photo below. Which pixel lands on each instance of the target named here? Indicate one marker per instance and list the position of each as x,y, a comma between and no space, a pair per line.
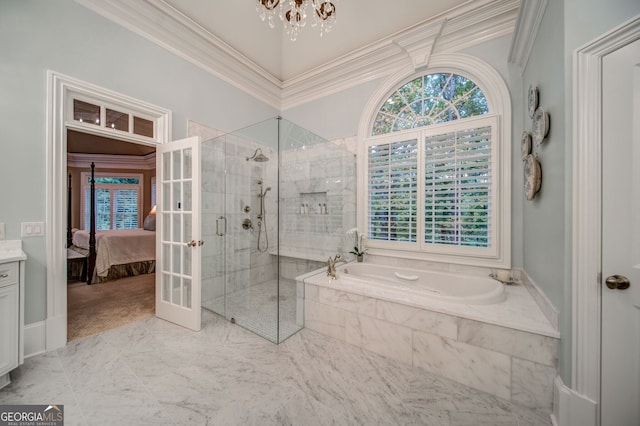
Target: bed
112,254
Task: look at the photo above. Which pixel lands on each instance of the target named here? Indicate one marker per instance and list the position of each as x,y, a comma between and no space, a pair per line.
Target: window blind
458,188
393,182
115,208
125,208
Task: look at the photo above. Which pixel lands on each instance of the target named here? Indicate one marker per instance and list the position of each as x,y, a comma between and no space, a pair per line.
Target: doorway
588,277
126,293
61,92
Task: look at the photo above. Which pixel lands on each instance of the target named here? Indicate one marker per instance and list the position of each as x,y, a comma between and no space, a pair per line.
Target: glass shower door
214,224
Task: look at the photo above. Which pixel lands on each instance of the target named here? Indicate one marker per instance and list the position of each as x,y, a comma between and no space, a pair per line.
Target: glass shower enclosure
276,203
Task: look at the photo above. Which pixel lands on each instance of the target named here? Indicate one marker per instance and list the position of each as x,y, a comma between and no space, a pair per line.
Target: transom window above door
114,118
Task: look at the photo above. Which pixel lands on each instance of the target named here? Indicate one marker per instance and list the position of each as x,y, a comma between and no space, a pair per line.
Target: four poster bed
110,254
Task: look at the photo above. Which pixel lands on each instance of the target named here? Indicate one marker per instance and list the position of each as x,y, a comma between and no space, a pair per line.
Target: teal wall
567,25
68,38
544,227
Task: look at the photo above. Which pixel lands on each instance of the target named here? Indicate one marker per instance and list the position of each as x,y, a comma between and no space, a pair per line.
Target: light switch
32,229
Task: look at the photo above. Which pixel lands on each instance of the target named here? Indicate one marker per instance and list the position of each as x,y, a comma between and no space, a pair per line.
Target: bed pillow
149,223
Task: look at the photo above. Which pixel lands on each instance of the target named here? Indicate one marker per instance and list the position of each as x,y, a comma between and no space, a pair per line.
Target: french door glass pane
186,262
166,287
166,256
176,290
186,293
187,196
176,174
177,228
166,165
177,196
176,258
187,160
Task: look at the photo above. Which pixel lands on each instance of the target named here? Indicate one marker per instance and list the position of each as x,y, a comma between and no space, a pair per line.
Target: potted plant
358,248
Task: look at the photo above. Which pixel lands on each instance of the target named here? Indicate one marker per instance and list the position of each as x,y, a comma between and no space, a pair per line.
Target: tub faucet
331,265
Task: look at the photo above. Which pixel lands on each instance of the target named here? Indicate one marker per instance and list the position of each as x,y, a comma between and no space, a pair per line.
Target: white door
178,240
620,397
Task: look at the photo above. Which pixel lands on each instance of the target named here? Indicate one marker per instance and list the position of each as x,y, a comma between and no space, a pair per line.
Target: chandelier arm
295,17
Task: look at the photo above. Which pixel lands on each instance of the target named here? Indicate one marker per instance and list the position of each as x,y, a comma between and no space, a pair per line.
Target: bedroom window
432,161
118,200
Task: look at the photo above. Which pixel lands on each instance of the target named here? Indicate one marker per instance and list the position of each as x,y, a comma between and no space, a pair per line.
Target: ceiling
85,143
358,24
371,39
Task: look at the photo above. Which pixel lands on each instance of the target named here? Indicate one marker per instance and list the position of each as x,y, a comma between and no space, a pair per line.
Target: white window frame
84,176
419,246
499,103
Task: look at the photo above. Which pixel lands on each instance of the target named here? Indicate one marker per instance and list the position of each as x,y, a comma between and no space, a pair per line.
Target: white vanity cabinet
12,265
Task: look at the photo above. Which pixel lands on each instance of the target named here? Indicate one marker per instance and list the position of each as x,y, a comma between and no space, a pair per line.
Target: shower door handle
224,231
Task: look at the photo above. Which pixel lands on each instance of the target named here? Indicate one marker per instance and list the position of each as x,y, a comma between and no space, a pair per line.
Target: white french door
178,233
620,382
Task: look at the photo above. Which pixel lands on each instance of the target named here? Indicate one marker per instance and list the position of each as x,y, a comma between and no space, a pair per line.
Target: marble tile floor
256,308
152,372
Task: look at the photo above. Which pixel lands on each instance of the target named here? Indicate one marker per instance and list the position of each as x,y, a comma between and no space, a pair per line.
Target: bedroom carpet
99,307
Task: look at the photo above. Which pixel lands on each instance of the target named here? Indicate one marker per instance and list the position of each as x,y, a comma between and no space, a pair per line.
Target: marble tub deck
156,373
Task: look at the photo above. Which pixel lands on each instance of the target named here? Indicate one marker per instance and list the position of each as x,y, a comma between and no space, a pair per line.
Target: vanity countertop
11,251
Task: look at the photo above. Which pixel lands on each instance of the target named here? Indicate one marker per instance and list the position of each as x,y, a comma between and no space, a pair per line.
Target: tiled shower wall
318,193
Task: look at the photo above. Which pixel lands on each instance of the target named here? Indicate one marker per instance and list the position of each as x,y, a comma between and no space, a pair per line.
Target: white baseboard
572,409
56,335
35,339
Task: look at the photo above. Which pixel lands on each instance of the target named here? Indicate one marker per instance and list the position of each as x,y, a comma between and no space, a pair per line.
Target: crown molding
105,161
527,26
474,22
466,26
419,44
171,29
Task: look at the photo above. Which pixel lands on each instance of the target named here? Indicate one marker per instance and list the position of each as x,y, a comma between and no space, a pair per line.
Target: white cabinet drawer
8,273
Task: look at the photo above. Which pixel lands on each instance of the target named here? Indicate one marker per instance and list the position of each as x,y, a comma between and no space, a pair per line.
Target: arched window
430,99
433,162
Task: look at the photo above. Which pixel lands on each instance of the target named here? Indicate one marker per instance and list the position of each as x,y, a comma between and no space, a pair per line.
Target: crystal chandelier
293,14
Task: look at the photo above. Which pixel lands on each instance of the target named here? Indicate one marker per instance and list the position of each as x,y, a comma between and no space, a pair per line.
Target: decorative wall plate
540,126
525,144
533,100
532,176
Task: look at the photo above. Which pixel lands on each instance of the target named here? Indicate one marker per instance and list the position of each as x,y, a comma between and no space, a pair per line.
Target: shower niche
276,202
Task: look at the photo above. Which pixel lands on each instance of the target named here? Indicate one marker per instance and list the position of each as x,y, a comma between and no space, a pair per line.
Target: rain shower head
258,156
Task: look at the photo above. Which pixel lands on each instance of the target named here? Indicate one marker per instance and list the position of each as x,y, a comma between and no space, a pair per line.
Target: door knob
617,282
191,243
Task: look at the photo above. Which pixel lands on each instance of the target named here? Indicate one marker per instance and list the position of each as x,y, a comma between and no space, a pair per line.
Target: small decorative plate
540,126
533,100
532,176
525,145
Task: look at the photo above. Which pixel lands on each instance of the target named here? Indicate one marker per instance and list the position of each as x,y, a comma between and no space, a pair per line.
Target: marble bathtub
508,349
414,286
